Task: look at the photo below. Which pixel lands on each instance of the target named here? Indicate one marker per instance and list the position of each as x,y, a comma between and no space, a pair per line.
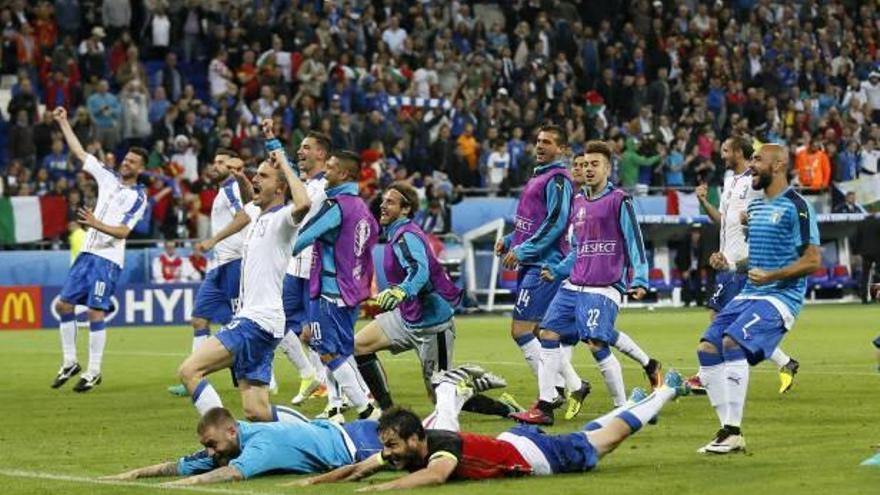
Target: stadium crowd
445,95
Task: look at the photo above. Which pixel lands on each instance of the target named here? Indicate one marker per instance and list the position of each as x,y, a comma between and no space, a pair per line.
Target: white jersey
266,254
226,205
301,264
117,205
735,198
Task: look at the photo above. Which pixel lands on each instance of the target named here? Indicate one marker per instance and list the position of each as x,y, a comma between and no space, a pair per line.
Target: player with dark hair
731,262
606,245
435,456
92,278
342,233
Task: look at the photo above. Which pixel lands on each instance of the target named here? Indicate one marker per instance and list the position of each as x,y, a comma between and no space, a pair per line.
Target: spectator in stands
850,205
117,17
867,245
691,260
24,100
135,114
104,110
57,163
813,166
21,139
169,267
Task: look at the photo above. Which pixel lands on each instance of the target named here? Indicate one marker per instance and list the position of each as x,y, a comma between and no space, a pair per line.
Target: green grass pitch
808,441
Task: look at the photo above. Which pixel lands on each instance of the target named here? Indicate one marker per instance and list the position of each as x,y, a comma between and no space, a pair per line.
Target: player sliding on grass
732,260
92,278
236,450
606,244
248,342
783,250
436,456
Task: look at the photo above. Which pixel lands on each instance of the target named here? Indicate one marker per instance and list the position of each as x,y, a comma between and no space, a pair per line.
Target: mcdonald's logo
20,308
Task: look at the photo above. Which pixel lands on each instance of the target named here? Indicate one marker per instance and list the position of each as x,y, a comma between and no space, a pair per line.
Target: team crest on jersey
361,235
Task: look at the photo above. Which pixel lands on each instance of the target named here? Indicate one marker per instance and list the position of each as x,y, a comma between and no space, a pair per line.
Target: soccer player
419,306
433,456
237,450
731,262
217,297
311,156
783,250
247,344
606,245
343,234
538,238
92,278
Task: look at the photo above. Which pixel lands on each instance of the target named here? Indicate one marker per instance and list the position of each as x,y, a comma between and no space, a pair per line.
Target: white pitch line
19,473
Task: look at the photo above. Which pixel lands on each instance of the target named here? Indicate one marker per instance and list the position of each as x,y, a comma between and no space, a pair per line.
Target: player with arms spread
783,250
92,278
248,342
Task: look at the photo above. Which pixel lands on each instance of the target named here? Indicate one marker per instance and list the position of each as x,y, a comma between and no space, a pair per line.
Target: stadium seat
657,281
675,278
841,278
818,280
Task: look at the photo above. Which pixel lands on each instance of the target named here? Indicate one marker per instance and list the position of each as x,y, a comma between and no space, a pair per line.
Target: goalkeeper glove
389,298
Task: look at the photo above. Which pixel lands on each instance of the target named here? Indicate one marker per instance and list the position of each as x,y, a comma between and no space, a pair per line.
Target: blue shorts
252,350
533,294
332,327
91,282
754,324
295,298
364,434
727,286
568,453
217,297
581,316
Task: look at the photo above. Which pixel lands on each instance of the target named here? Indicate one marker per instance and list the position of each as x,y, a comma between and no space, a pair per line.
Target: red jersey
479,456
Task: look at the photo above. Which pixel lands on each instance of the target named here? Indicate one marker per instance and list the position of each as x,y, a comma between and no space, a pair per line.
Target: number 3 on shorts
745,328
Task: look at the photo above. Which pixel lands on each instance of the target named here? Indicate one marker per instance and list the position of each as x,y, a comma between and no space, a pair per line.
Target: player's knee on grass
63,307
707,348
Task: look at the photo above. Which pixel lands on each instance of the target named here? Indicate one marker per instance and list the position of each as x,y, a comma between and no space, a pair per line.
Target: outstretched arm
436,473
225,473
352,472
156,470
60,116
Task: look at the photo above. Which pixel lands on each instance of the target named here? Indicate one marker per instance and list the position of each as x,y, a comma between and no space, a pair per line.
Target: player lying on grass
434,456
237,450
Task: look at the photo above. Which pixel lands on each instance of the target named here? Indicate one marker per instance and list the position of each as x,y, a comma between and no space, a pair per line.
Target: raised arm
301,201
76,149
703,195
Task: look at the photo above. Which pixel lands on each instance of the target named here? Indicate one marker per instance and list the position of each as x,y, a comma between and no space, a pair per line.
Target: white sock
713,378
641,412
627,345
317,365
548,372
273,383
334,394
291,346
566,370
68,341
449,404
97,341
205,398
531,350
779,357
284,414
737,378
346,376
353,363
613,376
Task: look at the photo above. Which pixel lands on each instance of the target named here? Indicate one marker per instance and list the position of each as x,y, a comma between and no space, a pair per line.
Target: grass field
808,441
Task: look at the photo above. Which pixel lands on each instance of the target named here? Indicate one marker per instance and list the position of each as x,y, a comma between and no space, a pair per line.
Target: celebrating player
606,245
731,262
538,239
343,233
433,457
248,342
217,297
92,278
313,152
783,250
237,450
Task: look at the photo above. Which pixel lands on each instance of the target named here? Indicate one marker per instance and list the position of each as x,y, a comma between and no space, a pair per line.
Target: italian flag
32,218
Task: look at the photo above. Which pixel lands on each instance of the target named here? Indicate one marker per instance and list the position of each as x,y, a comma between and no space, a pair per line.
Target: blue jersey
325,226
303,448
435,309
779,231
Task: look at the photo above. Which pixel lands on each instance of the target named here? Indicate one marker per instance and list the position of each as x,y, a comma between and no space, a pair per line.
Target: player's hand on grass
759,277
718,262
390,298
86,217
301,483
637,293
374,488
126,476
